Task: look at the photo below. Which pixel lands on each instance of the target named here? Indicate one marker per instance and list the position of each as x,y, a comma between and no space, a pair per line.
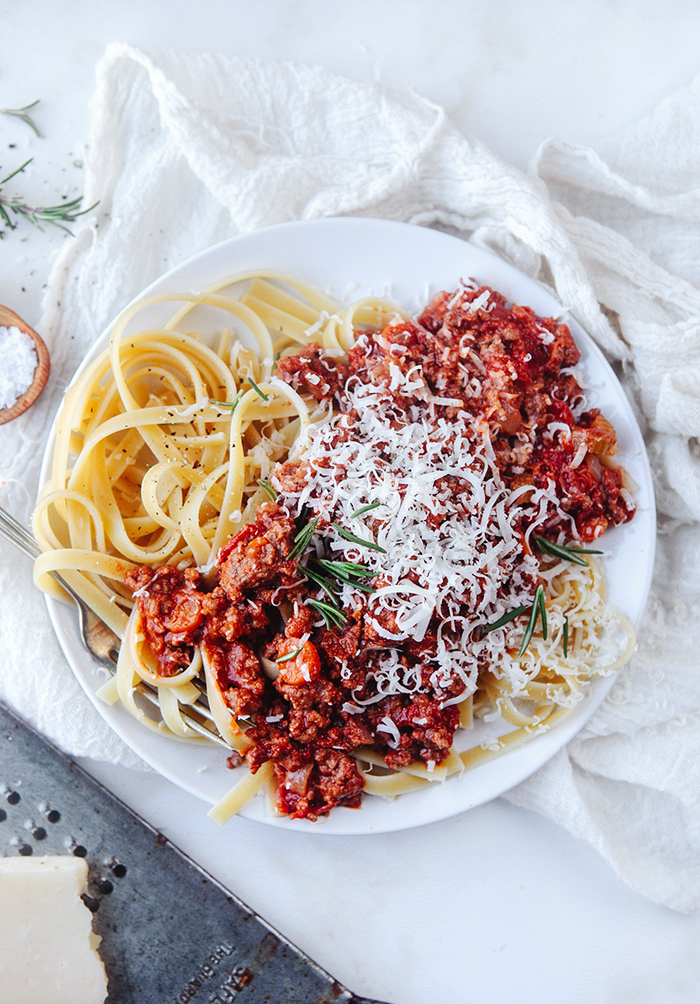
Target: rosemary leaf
560,551
505,619
227,404
320,580
543,612
16,171
537,607
357,540
257,390
303,538
21,113
331,615
365,508
360,586
268,489
529,630
346,570
566,637
290,656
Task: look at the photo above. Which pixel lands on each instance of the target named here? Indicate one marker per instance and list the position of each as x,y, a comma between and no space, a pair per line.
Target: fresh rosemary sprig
328,575
365,508
21,113
67,212
505,619
543,610
566,636
303,538
322,581
268,489
347,572
560,551
331,615
538,610
257,390
357,540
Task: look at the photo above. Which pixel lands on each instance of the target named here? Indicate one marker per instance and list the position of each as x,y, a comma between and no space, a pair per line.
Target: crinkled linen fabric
188,150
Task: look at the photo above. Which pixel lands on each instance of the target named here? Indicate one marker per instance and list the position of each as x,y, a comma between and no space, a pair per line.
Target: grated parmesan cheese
389,725
18,361
453,558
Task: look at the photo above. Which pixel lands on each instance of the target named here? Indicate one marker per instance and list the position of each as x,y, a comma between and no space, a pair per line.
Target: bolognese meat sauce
305,687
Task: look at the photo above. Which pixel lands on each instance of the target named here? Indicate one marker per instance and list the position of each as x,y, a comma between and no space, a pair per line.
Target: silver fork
99,640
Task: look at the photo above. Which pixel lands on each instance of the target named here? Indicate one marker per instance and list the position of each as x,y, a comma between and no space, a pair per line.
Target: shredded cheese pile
455,559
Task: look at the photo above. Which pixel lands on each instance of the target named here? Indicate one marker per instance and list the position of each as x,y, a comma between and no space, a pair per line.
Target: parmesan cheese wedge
47,947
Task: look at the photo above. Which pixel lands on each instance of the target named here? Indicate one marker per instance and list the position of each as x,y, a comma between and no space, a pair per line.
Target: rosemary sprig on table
66,212
562,551
22,113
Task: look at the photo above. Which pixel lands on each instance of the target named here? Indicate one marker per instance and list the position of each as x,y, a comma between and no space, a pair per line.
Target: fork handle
24,548
13,531
18,535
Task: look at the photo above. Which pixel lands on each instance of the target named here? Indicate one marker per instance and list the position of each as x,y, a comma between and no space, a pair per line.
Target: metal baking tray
171,933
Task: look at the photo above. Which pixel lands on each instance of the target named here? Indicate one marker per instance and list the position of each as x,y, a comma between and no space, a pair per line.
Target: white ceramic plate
350,258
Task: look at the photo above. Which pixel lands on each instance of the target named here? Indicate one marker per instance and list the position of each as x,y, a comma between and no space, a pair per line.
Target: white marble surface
504,906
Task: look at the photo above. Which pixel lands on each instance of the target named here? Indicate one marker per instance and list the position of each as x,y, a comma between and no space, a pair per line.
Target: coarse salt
18,361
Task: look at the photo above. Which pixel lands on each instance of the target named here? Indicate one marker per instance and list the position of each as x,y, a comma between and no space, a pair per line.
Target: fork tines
202,730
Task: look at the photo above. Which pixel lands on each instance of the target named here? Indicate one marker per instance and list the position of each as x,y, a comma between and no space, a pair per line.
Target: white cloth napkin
188,150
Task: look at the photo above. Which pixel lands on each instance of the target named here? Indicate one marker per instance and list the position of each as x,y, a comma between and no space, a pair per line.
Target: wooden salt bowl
8,319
